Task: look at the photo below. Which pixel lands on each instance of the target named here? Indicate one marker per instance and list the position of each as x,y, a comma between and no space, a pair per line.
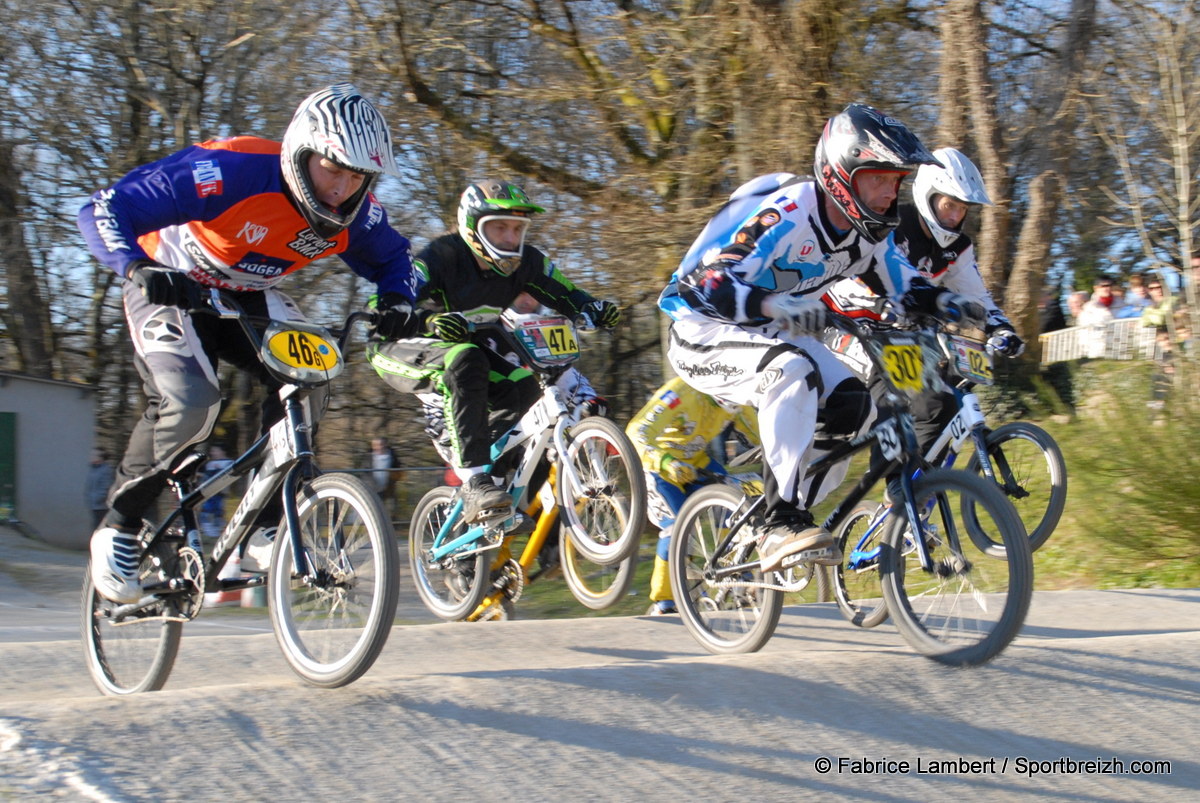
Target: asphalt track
1096,700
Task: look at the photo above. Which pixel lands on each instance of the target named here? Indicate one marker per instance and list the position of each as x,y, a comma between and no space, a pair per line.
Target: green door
8,466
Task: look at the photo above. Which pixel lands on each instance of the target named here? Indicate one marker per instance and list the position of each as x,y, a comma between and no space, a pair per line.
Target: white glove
797,314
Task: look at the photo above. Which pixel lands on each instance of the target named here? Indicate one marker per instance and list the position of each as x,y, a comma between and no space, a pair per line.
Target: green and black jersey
452,281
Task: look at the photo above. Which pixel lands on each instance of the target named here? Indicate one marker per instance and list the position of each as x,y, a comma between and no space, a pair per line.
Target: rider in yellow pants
673,433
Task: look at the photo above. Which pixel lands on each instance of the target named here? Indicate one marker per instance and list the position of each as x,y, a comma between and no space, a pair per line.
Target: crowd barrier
1122,339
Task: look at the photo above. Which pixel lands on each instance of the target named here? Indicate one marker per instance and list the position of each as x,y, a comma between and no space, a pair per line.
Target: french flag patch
207,176
671,399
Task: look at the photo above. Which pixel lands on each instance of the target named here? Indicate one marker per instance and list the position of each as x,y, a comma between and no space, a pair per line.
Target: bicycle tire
723,616
973,603
1034,481
856,586
332,623
451,589
132,657
605,518
595,585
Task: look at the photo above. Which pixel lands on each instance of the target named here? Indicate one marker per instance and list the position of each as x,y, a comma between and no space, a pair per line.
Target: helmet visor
504,238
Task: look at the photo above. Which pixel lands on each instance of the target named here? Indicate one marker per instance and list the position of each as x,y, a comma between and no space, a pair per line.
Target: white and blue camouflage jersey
773,236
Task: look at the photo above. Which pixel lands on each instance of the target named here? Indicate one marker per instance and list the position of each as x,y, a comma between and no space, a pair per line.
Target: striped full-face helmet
342,126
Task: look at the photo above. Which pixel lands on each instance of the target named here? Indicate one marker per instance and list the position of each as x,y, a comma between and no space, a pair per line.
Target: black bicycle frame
910,461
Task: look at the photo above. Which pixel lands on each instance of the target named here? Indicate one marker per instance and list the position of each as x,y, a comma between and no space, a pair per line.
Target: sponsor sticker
206,174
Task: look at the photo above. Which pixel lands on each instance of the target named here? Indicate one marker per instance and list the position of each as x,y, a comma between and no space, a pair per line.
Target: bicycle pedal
825,556
493,515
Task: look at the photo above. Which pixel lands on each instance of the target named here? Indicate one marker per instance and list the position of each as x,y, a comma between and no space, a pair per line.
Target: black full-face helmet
491,200
863,138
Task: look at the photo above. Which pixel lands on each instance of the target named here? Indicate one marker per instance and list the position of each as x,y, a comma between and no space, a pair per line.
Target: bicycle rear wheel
333,618
856,579
1031,471
972,602
129,650
595,585
730,614
453,587
604,517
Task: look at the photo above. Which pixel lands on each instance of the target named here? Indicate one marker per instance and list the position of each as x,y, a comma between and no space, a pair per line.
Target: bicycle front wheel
725,613
129,650
334,616
605,515
452,587
971,602
1030,469
856,579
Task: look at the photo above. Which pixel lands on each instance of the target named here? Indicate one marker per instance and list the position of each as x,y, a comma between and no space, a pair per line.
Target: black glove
960,309
595,406
603,313
450,327
1007,342
395,317
163,286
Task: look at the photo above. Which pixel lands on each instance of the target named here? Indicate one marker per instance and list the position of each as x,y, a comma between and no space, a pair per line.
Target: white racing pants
788,380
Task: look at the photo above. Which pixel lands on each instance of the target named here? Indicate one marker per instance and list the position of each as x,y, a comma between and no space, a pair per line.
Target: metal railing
1122,339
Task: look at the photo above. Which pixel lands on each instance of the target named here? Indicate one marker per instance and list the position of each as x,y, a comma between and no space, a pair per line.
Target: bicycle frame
280,459
968,423
896,436
543,424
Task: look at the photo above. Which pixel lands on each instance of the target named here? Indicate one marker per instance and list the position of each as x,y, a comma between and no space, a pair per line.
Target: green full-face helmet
493,200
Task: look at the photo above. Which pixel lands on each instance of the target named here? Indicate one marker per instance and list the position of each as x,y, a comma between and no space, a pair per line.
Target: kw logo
253,233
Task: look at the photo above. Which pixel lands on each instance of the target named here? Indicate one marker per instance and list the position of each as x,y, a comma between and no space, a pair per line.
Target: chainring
510,577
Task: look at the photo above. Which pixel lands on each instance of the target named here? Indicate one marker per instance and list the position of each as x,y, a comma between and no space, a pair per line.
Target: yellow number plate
303,350
559,340
905,366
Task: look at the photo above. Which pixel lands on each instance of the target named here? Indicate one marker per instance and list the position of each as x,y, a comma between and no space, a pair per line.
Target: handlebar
214,301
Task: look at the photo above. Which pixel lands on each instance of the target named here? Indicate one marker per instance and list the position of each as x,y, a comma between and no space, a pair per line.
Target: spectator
1136,299
212,512
1075,303
1098,313
384,466
1103,306
1158,314
99,480
1050,312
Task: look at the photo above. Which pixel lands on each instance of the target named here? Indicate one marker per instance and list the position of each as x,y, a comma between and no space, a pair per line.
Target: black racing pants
931,414
483,395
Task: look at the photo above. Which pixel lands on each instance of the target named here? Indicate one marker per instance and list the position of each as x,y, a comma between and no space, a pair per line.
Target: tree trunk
25,314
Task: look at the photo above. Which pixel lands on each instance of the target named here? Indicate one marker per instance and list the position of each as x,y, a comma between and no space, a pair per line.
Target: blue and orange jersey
220,211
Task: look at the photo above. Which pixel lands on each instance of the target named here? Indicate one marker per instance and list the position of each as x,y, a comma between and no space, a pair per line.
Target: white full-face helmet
342,126
958,178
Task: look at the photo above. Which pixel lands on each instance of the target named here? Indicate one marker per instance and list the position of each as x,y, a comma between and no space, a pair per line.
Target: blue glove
960,309
1006,342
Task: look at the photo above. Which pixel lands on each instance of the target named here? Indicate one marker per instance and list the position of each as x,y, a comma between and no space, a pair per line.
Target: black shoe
483,499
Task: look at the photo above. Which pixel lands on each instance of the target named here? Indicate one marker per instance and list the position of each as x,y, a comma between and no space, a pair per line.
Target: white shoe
115,565
812,543
257,556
